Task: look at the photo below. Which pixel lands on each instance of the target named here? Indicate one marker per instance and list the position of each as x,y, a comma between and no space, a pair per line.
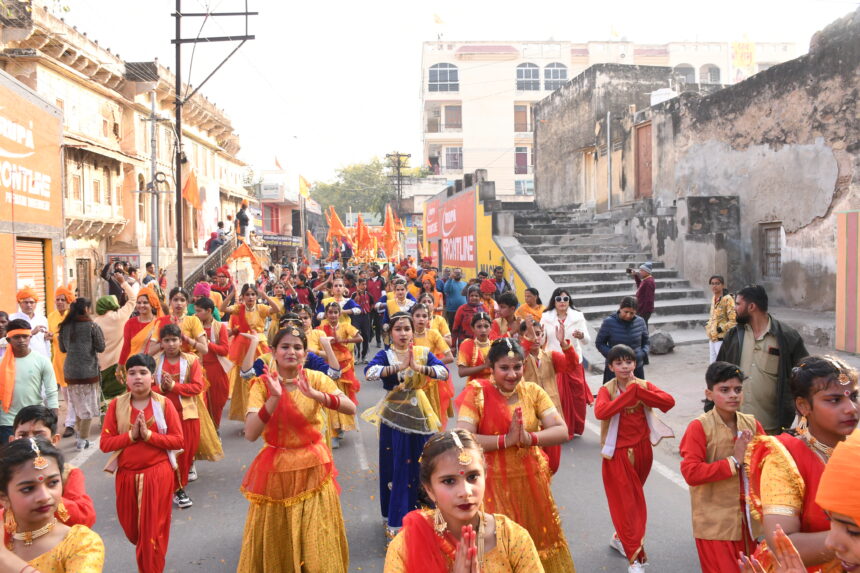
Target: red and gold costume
440,394
418,548
144,475
249,321
516,474
136,337
294,520
80,551
347,382
217,367
784,473
628,431
189,325
78,505
716,491
474,353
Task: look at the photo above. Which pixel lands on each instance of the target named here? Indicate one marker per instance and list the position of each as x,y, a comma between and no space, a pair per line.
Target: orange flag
304,187
398,224
191,192
336,227
244,251
362,235
389,235
313,246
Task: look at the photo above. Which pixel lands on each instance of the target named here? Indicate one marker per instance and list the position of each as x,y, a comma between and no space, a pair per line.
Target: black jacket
791,352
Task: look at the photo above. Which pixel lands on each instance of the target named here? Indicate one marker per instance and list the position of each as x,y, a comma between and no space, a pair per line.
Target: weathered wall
786,142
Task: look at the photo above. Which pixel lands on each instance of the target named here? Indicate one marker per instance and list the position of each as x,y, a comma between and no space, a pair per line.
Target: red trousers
144,502
575,396
718,556
623,481
190,439
218,393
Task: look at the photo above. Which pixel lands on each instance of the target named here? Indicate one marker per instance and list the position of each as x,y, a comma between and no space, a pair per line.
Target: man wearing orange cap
25,376
40,341
63,297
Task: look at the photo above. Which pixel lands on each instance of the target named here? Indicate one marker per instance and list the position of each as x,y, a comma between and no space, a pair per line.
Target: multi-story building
477,96
106,147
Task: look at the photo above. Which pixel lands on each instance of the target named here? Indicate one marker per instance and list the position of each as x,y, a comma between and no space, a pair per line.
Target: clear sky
327,83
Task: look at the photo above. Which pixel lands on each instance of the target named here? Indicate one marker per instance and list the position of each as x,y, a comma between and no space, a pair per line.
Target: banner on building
457,229
281,240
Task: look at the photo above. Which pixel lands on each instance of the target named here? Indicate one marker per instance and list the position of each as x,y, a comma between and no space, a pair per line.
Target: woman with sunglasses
561,311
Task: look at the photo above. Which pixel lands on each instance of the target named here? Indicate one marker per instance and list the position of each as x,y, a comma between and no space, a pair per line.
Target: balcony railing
522,127
523,169
434,126
217,259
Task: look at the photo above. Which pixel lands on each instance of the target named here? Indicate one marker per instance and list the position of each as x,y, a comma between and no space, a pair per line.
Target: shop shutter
30,268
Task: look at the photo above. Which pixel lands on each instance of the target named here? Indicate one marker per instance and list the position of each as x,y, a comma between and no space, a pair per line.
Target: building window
97,191
524,187
75,191
554,76
105,128
454,158
141,207
444,78
453,117
106,178
528,78
771,256
521,119
521,160
709,74
686,72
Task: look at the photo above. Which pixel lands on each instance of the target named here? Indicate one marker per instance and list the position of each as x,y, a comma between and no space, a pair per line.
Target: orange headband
837,490
18,331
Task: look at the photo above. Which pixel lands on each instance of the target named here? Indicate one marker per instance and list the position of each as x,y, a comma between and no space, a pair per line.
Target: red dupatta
239,344
425,550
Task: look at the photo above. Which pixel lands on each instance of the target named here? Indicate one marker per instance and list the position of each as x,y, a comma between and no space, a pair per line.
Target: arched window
686,72
444,78
709,74
554,76
528,78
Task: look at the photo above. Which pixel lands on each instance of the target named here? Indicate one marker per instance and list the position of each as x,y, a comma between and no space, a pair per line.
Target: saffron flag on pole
389,235
336,226
191,192
244,251
362,235
304,187
313,246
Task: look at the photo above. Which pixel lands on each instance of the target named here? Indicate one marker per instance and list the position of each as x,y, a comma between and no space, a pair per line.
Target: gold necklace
816,446
480,344
29,536
502,392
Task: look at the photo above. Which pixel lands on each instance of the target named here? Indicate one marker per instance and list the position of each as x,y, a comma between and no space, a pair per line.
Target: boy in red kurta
76,507
179,378
142,428
713,449
216,365
624,407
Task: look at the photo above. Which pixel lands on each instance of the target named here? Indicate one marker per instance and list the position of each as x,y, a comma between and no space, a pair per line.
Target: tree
363,187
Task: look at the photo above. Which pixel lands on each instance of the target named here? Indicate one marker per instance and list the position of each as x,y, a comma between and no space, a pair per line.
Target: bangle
734,460
264,415
333,401
534,438
501,442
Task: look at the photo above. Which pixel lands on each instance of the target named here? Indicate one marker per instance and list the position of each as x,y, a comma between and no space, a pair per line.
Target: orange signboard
31,187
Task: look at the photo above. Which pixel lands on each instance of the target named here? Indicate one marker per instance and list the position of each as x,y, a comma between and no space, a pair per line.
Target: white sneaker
615,544
637,567
192,474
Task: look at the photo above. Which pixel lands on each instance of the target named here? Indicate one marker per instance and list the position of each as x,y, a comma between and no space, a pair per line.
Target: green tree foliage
364,187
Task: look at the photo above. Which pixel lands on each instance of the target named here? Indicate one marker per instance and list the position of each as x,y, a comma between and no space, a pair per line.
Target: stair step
579,289
573,257
595,265
667,322
578,241
607,298
586,275
697,307
587,248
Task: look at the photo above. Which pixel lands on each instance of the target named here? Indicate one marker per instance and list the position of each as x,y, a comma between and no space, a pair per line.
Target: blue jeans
5,434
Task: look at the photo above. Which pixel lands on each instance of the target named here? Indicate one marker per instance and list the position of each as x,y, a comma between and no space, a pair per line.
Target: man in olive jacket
766,350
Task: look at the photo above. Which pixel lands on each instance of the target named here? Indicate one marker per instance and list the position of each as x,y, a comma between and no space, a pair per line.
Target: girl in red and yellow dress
143,430
140,330
246,317
428,283
784,471
457,535
343,335
441,394
437,322
472,356
512,419
193,337
31,471
506,323
294,520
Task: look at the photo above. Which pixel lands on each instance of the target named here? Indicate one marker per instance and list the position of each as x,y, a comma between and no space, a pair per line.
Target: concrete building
282,207
745,182
106,104
477,97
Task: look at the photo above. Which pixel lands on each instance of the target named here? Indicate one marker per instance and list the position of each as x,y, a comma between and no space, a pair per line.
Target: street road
208,536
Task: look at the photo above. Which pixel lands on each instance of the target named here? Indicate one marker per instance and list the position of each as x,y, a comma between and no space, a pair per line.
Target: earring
62,512
9,523
802,426
439,523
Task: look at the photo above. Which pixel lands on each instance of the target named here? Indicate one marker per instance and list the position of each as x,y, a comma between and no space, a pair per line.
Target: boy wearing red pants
628,431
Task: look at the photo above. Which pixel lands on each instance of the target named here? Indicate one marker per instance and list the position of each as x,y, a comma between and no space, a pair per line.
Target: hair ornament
39,462
463,458
844,380
511,353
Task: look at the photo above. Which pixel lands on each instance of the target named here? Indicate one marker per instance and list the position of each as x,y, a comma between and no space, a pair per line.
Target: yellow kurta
437,345
337,421
546,530
81,551
514,551
58,357
239,388
297,524
440,325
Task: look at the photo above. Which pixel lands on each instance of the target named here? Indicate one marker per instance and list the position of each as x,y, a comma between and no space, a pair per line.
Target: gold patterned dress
294,522
518,479
514,551
256,323
81,551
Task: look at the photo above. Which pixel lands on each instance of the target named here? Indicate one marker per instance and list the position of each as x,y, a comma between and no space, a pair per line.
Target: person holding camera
112,272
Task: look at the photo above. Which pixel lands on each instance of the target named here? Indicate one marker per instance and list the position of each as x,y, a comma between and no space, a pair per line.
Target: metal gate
30,268
84,276
643,162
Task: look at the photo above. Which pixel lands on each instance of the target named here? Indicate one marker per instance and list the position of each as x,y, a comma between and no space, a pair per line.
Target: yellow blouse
81,551
256,318
782,487
432,340
533,400
514,552
440,325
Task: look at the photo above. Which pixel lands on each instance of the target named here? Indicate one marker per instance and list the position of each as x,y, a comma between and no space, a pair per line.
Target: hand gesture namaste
787,557
466,556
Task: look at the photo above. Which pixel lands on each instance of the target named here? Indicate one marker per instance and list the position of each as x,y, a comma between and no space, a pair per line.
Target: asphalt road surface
208,536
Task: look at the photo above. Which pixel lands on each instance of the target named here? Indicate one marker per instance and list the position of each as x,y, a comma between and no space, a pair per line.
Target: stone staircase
585,257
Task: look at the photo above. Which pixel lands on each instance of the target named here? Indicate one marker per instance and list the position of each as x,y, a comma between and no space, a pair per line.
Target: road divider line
84,455
660,468
359,451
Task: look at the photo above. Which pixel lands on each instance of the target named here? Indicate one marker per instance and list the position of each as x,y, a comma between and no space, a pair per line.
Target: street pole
179,270
154,196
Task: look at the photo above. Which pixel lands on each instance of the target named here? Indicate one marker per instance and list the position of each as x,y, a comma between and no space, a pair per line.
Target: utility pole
153,170
397,159
180,101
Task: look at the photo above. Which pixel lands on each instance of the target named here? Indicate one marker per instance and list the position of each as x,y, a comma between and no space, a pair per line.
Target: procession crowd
464,476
